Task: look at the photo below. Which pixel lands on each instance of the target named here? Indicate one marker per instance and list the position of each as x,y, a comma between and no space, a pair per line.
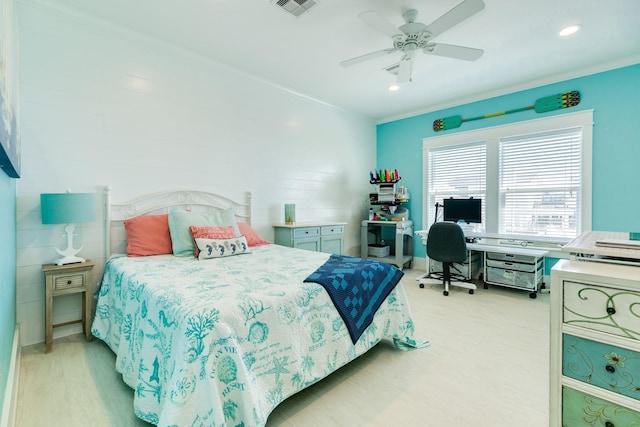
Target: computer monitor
467,210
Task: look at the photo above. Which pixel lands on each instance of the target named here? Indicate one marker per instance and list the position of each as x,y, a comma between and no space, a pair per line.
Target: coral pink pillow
148,235
253,239
210,233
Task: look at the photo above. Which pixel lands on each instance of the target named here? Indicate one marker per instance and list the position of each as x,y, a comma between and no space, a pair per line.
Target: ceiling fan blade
464,10
453,51
373,19
404,70
367,56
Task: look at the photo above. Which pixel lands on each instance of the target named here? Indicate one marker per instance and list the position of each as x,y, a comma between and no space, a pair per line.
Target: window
539,183
534,177
458,172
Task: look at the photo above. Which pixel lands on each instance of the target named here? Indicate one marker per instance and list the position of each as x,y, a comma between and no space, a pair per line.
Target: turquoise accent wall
613,95
7,276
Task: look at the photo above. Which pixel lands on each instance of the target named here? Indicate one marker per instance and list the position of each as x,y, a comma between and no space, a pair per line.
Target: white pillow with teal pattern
218,248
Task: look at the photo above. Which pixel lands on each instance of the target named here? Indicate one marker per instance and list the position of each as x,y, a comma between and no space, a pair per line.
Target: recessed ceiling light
394,87
571,29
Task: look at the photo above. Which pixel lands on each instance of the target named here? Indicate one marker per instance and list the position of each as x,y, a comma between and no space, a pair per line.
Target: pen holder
290,214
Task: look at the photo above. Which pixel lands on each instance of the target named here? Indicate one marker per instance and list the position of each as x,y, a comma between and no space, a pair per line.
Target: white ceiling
519,39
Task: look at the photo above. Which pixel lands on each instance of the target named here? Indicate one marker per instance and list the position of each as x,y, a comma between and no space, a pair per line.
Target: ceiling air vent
296,7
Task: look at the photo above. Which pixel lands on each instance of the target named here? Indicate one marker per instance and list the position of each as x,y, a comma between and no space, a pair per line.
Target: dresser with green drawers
595,345
318,237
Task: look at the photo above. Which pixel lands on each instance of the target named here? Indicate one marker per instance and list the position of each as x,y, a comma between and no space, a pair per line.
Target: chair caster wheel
533,295
471,291
445,293
421,285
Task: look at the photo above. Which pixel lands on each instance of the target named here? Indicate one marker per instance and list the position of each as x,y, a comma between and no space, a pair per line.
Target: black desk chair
446,243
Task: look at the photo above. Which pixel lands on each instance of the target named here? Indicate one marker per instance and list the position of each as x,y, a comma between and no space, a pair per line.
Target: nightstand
64,280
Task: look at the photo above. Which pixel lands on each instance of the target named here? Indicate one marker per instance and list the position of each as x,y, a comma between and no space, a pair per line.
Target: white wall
104,106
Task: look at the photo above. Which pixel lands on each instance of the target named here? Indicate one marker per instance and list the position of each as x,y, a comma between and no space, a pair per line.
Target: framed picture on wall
9,130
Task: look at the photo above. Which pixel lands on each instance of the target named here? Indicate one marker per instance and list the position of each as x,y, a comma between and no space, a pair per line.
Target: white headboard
156,203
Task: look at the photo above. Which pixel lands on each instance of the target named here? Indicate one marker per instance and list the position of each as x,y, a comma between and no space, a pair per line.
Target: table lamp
68,208
290,214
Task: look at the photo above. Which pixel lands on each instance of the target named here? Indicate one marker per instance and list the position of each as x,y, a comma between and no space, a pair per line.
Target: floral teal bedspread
222,342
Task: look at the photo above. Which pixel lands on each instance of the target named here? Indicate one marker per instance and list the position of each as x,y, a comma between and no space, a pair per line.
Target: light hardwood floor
487,365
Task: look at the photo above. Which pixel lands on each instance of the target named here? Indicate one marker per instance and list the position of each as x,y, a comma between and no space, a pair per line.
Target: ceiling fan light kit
570,29
413,36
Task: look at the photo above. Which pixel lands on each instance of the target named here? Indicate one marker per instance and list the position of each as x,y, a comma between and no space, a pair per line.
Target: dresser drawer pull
611,310
610,368
609,424
68,282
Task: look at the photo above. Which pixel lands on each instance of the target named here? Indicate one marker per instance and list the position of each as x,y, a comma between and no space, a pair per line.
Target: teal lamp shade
67,208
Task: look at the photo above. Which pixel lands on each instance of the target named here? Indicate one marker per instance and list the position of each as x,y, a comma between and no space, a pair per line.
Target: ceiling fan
414,36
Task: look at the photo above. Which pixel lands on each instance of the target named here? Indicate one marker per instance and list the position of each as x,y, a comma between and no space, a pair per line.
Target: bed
221,342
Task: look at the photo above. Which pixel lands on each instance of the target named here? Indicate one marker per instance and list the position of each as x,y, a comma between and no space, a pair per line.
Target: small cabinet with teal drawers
607,366
595,345
318,237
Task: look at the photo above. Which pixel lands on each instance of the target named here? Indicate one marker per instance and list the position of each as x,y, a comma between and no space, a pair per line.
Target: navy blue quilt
357,288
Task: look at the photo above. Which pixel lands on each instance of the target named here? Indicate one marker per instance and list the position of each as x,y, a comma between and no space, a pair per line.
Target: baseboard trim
10,404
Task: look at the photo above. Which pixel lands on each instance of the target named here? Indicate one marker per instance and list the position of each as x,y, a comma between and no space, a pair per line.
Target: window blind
457,171
540,183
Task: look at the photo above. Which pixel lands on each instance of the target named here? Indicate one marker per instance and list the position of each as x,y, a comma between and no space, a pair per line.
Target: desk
403,247
515,250
509,266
